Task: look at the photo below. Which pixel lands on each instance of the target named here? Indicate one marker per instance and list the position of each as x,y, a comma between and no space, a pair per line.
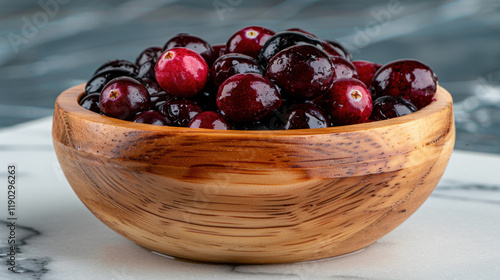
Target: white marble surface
454,235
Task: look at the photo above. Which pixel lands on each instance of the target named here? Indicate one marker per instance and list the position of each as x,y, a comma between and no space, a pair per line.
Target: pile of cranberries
258,80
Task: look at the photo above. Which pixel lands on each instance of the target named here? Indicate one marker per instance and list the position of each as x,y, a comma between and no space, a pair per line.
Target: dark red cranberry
339,48
150,54
147,70
306,116
121,64
123,98
181,111
152,117
193,43
91,102
343,68
219,50
302,31
247,97
388,107
151,85
348,101
231,64
331,50
366,70
210,120
181,72
302,71
99,80
249,40
159,99
407,78
283,40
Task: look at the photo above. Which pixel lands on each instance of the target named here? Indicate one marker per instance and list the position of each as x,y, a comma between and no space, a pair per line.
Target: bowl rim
67,101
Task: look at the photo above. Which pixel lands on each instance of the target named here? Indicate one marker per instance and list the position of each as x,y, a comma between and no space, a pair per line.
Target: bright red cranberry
283,40
193,43
343,68
388,107
181,111
152,117
247,97
219,50
249,40
338,48
348,101
210,120
305,116
303,71
123,98
407,78
120,64
91,102
366,70
302,31
231,64
181,72
150,54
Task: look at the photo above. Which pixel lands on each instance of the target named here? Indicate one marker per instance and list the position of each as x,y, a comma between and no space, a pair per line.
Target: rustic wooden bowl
253,196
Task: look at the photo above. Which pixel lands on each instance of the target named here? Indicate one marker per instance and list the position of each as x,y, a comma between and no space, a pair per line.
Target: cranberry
99,80
211,120
91,102
406,78
123,98
305,116
302,31
151,85
193,43
181,72
283,40
249,40
366,70
348,101
338,48
343,68
147,70
181,111
231,64
206,99
159,99
121,64
247,97
303,71
388,107
331,50
219,50
152,117
150,54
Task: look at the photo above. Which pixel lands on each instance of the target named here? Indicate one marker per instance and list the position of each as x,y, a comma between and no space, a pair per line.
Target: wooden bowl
252,196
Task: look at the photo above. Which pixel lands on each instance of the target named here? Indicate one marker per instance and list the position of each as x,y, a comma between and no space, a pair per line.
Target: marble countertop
454,235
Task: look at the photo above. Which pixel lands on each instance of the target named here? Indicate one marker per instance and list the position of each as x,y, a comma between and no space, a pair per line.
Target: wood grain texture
253,196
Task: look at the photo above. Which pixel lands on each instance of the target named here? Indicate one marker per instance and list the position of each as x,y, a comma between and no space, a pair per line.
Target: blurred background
47,46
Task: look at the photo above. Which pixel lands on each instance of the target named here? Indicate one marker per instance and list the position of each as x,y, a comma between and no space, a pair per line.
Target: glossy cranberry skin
283,40
151,85
193,43
331,50
210,120
247,98
302,31
147,70
99,80
219,50
181,72
388,107
159,99
306,116
343,68
91,102
152,117
231,64
338,48
407,78
302,71
123,98
121,64
366,70
249,40
181,111
150,54
348,101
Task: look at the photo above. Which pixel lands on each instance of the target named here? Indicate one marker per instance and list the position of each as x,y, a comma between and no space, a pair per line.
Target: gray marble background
47,46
